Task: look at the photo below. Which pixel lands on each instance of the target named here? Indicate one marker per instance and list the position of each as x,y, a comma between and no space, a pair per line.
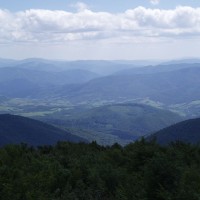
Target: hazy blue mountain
16,129
157,68
139,62
96,66
19,82
126,121
102,67
38,65
108,67
181,61
75,81
30,62
44,77
168,87
187,131
7,62
18,88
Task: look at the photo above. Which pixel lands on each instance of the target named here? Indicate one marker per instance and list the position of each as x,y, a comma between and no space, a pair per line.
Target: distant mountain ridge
43,77
181,61
21,82
165,87
164,84
78,83
158,68
16,129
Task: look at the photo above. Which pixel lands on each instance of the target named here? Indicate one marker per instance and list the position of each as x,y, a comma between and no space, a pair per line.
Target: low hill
127,122
187,131
16,129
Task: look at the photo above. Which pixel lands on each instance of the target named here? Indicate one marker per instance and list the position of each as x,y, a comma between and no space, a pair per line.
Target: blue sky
90,29
100,5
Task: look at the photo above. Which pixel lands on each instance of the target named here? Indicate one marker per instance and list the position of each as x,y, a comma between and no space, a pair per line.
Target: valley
104,101
99,100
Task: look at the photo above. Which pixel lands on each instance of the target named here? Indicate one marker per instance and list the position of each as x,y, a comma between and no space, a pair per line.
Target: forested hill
187,131
125,122
67,171
16,129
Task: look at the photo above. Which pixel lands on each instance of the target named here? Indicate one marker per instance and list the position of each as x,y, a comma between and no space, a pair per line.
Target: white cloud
47,26
155,2
80,6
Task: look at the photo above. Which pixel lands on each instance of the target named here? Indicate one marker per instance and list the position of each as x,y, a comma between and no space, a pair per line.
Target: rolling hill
16,129
187,131
126,122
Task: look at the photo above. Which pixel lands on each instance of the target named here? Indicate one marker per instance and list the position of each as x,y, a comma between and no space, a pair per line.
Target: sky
103,29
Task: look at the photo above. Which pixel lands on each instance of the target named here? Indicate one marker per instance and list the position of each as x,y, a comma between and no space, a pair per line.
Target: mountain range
106,101
162,83
165,87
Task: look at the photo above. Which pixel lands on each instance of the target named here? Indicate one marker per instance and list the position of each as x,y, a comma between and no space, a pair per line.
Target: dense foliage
140,171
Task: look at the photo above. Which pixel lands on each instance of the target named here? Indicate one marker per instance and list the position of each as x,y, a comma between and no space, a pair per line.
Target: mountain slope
187,131
46,77
19,82
18,88
125,121
166,87
16,129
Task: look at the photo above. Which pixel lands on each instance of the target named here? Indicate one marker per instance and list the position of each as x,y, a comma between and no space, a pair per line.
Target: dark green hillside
126,121
187,131
16,129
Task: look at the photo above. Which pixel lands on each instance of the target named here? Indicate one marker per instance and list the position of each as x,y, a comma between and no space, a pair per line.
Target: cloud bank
57,26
